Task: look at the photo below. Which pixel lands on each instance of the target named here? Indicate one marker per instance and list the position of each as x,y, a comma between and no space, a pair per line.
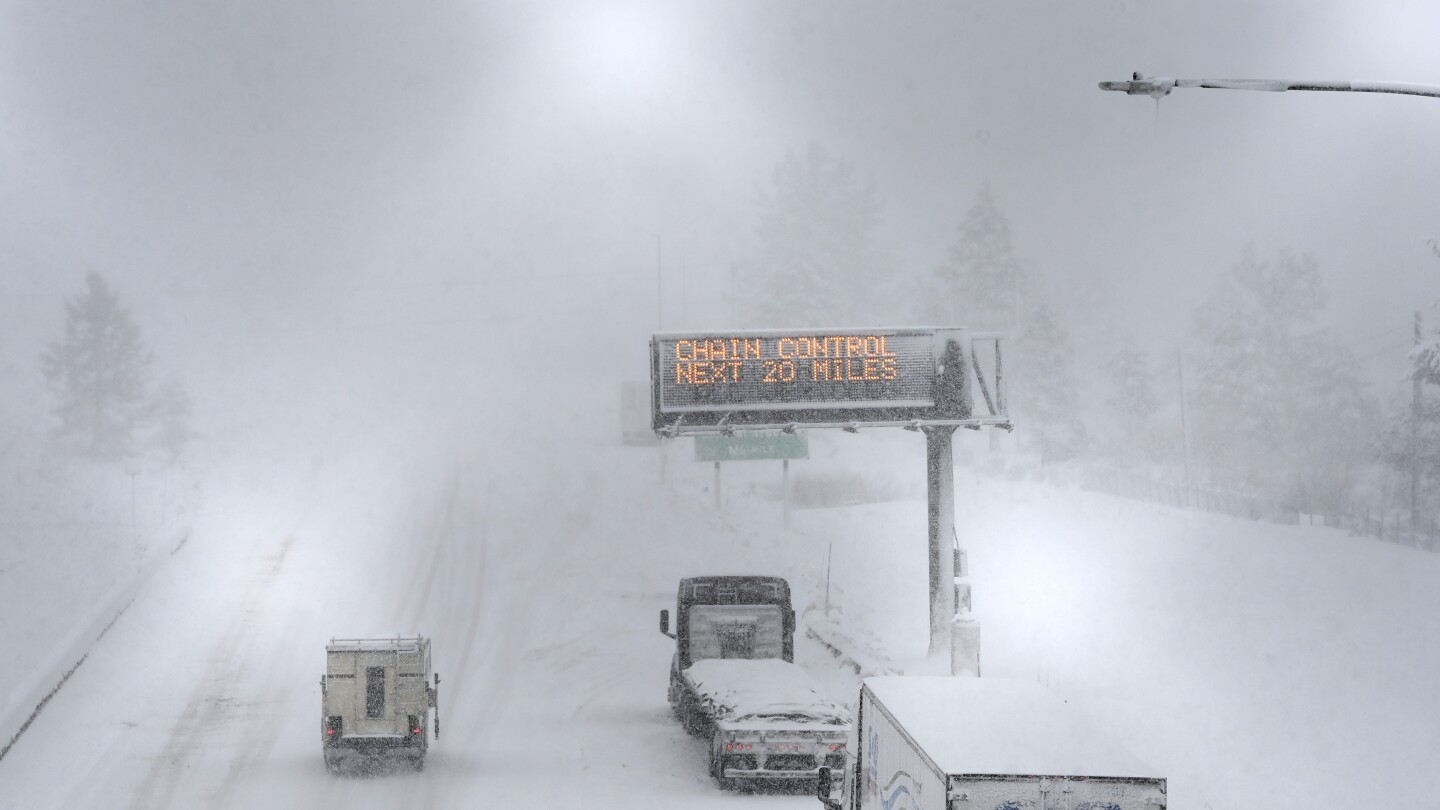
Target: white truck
959,743
376,698
733,679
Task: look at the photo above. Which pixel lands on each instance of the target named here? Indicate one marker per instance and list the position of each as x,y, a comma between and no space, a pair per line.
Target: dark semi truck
733,679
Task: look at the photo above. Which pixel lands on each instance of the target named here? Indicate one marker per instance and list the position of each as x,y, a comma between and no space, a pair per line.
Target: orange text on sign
829,358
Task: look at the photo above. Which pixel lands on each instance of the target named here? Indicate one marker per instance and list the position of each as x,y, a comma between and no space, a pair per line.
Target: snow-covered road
1236,657
541,595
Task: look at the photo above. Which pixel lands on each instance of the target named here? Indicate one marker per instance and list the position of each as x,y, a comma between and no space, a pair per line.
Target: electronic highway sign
703,381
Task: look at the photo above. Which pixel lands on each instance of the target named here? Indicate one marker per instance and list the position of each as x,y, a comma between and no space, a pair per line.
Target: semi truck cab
733,679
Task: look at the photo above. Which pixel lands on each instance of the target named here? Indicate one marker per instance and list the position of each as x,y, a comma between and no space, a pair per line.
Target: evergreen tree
1411,442
1278,402
820,262
1132,401
1425,357
99,373
1045,395
172,413
981,284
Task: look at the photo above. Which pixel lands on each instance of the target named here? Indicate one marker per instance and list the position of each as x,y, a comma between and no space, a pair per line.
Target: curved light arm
1157,86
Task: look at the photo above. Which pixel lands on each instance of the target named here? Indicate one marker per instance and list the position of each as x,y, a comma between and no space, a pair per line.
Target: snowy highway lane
543,615
1221,651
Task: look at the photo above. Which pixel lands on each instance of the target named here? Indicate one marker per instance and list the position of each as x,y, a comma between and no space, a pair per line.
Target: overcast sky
255,177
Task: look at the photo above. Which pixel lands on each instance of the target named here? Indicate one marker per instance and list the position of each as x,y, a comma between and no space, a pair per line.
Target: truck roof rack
397,643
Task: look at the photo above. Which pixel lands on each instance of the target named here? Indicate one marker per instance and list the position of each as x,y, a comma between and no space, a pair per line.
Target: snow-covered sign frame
790,379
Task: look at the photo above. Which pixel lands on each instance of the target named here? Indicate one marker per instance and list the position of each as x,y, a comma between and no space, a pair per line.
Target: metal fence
1393,526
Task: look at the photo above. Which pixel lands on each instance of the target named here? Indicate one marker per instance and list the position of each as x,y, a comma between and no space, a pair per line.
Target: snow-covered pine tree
1131,403
172,413
1045,393
820,262
1277,402
99,373
981,284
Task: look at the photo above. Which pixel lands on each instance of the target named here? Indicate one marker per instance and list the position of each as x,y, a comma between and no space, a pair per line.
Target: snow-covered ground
1253,665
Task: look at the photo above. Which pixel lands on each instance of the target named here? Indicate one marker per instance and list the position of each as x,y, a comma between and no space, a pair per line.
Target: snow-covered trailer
957,743
768,720
733,679
376,699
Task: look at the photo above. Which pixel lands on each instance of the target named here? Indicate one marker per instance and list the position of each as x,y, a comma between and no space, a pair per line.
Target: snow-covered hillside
1254,665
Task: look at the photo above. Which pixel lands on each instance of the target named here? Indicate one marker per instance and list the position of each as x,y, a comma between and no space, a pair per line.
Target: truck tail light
416,729
334,727
738,746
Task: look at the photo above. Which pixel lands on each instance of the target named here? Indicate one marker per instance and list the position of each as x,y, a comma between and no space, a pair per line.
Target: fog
351,183
456,224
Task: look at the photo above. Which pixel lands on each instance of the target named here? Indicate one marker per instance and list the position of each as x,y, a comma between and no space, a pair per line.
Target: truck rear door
374,693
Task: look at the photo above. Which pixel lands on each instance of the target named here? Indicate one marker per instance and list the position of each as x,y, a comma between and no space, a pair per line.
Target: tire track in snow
210,707
492,595
258,737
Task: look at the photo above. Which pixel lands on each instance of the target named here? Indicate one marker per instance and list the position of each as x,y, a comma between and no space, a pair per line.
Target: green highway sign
752,445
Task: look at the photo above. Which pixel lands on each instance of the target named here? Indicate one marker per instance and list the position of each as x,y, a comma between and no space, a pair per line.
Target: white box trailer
376,699
959,743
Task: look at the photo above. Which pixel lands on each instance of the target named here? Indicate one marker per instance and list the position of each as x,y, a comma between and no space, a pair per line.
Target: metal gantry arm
1159,86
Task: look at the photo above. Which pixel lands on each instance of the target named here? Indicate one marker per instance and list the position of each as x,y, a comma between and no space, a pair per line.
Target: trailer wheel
690,717
332,763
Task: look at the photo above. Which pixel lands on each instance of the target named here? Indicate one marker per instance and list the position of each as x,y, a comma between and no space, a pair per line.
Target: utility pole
1184,429
659,285
1415,439
132,469
660,327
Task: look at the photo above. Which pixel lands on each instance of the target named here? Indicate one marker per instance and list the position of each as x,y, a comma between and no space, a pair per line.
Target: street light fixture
1159,86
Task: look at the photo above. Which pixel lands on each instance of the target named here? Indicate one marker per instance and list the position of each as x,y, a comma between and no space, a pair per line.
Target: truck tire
690,716
332,763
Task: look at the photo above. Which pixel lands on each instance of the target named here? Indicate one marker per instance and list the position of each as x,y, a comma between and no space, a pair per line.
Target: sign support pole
940,503
717,485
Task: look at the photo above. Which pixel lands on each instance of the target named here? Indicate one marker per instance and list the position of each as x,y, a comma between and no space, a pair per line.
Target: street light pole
1159,86
1415,441
660,327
